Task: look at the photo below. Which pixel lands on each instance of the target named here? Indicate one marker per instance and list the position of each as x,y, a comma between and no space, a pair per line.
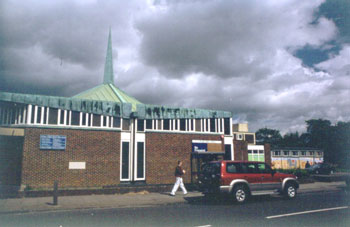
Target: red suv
242,179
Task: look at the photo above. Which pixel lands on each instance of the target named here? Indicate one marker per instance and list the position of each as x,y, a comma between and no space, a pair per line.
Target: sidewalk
141,199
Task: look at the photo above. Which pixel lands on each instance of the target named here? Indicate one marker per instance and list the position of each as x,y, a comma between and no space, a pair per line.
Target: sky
272,63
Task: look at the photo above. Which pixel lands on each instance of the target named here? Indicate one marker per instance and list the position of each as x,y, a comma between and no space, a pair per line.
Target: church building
105,138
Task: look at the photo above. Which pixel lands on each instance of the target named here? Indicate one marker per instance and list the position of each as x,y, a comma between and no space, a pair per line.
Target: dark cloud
237,56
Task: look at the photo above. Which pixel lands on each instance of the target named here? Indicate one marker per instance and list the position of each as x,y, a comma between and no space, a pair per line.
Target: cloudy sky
272,63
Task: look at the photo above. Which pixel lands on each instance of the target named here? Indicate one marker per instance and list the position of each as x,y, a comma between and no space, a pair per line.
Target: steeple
108,77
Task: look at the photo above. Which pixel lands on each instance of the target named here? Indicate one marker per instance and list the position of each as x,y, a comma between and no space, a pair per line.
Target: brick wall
240,150
163,150
99,149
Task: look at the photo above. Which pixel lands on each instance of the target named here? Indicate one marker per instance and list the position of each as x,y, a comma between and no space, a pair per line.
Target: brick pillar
240,150
267,149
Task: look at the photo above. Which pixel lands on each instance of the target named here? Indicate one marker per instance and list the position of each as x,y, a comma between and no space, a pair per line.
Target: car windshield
315,166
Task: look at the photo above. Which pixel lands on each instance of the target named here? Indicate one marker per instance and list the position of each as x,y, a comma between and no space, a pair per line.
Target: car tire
290,191
240,194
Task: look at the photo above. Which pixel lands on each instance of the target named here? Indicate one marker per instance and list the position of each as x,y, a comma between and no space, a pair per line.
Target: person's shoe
185,193
172,194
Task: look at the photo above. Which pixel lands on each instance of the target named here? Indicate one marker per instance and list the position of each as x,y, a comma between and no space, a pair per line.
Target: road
318,209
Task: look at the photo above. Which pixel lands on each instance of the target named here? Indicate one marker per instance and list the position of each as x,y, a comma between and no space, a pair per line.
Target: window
75,118
295,153
190,125
233,168
38,115
311,153
148,124
183,124
256,155
227,127
116,122
263,168
277,153
125,161
176,124
96,120
212,124
249,138
228,152
32,115
285,153
249,168
166,124
53,116
239,136
303,153
198,125
104,121
140,160
126,124
159,122
85,119
61,114
140,125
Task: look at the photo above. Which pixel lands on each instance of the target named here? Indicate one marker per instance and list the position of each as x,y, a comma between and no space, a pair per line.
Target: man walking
179,182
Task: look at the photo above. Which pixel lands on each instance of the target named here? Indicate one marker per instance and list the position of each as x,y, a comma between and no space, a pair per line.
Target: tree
266,135
292,140
320,136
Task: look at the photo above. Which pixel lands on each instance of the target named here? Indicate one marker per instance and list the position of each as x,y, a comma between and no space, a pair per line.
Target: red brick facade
99,149
163,150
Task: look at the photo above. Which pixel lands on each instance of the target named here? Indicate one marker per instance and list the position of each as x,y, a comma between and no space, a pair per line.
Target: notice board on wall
52,142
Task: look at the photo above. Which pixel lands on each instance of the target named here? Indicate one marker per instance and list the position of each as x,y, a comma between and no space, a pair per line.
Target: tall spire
108,77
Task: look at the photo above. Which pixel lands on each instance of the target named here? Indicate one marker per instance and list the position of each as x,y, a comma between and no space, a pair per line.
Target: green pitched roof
108,91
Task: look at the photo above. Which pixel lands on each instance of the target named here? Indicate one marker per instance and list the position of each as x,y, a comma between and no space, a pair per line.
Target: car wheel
240,194
290,191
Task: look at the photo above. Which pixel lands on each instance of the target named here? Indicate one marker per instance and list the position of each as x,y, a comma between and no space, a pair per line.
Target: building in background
292,158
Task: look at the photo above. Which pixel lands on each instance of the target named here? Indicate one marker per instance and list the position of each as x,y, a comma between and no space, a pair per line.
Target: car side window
249,168
233,168
263,168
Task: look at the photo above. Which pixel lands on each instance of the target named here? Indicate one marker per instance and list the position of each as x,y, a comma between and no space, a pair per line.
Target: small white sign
77,165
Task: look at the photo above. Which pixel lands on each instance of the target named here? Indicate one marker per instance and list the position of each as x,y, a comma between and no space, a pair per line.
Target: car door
251,174
268,179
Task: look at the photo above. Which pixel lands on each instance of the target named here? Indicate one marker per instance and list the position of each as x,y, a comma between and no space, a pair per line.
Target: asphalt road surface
318,209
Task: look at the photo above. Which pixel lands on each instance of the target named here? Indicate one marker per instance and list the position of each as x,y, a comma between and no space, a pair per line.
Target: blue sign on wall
52,142
199,147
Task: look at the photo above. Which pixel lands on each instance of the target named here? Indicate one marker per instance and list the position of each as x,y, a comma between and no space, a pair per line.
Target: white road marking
306,212
204,226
